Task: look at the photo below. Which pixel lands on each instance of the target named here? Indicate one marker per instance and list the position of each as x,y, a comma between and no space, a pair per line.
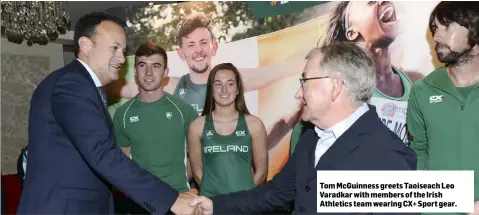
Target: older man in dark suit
337,81
73,160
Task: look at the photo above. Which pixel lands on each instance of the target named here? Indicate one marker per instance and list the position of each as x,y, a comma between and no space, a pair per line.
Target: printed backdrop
276,48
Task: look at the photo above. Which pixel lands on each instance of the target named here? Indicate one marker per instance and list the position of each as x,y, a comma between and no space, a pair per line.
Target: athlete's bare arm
284,125
259,147
257,78
194,148
189,172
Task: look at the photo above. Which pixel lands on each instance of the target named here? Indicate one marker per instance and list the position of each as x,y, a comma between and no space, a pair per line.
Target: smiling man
71,150
151,128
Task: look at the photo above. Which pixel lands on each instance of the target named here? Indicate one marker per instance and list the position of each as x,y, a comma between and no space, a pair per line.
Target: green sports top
191,93
156,132
227,159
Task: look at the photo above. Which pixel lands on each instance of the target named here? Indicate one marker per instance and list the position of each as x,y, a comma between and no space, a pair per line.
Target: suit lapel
87,75
311,150
310,141
347,142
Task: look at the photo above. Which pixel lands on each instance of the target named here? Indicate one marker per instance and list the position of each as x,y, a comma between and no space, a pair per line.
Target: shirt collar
92,74
338,129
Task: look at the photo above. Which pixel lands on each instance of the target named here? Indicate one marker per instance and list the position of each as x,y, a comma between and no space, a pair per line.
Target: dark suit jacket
72,157
367,145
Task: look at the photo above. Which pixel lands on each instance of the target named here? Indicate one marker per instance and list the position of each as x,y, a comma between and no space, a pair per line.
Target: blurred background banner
263,9
283,38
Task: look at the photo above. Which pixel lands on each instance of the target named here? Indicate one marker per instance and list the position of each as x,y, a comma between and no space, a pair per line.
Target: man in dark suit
72,157
337,81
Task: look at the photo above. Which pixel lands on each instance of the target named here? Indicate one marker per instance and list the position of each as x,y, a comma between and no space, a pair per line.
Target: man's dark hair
86,25
191,23
464,13
150,48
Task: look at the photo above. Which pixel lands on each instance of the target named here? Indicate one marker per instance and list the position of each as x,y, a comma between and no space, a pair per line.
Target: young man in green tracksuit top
151,128
443,108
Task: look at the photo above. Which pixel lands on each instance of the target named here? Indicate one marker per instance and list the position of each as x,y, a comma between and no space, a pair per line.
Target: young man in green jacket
443,108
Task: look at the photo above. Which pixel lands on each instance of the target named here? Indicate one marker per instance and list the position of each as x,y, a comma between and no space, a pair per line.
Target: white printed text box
395,191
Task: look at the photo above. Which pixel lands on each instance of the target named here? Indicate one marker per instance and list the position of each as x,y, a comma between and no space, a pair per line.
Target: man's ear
215,48
165,73
181,54
85,45
337,87
165,79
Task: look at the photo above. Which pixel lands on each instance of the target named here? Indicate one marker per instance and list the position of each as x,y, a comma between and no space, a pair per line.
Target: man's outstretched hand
182,204
203,205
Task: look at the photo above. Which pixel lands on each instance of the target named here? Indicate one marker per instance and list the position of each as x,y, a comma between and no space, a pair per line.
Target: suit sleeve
266,197
417,130
121,138
396,159
87,127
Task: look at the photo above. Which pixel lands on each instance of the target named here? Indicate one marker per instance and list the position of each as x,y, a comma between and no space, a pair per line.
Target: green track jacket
444,125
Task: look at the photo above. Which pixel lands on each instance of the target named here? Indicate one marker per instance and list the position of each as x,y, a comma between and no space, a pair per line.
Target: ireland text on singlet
227,160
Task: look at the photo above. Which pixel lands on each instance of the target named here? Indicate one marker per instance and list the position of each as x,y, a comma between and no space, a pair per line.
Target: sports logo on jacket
169,115
435,99
134,119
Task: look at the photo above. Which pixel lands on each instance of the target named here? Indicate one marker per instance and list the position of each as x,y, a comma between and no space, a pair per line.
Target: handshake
189,203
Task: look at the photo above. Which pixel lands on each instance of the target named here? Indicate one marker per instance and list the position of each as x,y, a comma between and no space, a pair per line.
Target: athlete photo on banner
400,48
270,55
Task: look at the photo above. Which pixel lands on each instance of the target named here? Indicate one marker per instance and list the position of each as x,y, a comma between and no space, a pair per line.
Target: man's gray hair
352,64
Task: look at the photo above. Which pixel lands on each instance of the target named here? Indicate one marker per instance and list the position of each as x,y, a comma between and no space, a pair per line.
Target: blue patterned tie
103,96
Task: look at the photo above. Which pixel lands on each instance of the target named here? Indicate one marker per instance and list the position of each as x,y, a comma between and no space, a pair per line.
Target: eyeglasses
303,80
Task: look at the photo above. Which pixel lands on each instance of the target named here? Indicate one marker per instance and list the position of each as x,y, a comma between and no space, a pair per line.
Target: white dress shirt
329,136
92,74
